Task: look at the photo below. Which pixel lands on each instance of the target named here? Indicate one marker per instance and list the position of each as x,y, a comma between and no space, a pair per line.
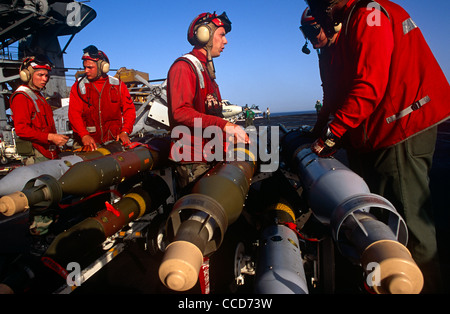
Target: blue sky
262,63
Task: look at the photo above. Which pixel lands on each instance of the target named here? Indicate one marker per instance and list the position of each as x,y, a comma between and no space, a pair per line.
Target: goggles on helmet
38,63
217,20
92,53
206,18
322,10
310,31
222,20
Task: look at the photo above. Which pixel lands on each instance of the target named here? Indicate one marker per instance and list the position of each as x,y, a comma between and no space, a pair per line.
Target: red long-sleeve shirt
106,111
188,101
389,85
33,123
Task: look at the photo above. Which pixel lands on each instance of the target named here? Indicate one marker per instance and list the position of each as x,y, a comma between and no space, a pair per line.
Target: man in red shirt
324,46
32,115
194,98
100,107
389,96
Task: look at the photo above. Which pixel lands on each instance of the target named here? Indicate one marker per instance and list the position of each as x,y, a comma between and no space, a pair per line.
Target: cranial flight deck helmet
30,65
92,53
310,28
322,10
201,30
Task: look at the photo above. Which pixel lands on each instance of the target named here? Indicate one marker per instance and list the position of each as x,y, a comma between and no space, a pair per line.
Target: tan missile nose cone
180,265
14,203
400,284
398,272
176,281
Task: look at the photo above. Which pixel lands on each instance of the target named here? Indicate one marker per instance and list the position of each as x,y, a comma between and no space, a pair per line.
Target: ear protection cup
25,75
201,29
103,66
337,27
203,34
31,64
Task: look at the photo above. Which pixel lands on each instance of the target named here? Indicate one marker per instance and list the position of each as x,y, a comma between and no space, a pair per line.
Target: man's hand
237,132
57,139
88,141
124,138
325,146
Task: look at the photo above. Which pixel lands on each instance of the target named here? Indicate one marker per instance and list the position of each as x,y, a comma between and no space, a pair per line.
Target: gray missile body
16,179
85,178
366,227
280,264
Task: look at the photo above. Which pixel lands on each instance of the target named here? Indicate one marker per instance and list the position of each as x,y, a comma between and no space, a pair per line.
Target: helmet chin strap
210,63
99,71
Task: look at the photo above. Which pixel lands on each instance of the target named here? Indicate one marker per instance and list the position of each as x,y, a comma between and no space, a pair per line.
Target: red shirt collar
101,80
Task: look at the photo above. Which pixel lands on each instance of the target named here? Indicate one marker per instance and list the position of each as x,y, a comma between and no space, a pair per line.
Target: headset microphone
305,48
82,76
